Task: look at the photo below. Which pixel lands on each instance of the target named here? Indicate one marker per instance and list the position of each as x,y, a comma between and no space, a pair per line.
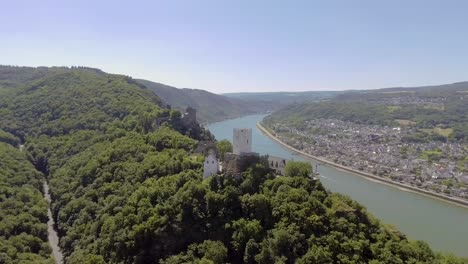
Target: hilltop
452,90
442,88
210,107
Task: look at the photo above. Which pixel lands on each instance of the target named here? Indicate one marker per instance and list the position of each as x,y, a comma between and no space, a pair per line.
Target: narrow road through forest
52,234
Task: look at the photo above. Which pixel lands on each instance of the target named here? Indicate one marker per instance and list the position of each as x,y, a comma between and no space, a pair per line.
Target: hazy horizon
244,46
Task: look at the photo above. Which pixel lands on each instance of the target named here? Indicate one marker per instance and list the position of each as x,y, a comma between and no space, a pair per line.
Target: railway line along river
441,224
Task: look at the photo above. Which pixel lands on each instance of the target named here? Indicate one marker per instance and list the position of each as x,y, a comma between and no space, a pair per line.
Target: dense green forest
12,77
23,211
210,107
126,189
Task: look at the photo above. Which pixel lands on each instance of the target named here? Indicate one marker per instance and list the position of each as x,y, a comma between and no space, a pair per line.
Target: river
443,225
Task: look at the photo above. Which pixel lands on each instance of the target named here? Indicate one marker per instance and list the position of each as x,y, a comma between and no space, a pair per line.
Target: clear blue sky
229,46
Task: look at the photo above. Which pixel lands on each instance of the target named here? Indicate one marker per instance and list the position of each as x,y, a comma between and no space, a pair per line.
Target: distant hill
285,98
210,107
444,90
424,107
13,76
458,86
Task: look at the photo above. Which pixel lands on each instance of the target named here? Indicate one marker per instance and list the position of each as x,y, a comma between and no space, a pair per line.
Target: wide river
443,225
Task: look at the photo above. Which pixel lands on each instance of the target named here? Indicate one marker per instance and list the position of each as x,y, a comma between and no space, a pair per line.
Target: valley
243,132
126,188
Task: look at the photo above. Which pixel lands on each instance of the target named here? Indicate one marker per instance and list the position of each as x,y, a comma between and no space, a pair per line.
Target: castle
241,157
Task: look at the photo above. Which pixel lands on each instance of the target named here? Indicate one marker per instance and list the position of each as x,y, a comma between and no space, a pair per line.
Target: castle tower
190,116
192,113
242,140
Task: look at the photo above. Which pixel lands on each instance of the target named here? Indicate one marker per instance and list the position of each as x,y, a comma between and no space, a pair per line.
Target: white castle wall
210,166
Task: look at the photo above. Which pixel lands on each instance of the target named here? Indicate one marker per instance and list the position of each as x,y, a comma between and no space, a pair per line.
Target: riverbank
365,175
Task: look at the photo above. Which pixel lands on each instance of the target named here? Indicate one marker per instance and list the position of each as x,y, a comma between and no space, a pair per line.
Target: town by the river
441,224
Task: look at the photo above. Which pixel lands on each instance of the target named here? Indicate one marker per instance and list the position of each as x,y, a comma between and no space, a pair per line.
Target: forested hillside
126,188
79,115
211,107
11,77
23,211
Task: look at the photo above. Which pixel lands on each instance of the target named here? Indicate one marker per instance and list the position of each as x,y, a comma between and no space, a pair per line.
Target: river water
443,225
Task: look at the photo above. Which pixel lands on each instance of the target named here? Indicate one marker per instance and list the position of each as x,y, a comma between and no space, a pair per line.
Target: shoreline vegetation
365,175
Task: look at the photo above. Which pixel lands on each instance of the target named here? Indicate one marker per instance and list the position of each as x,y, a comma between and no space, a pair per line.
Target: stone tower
190,116
242,140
